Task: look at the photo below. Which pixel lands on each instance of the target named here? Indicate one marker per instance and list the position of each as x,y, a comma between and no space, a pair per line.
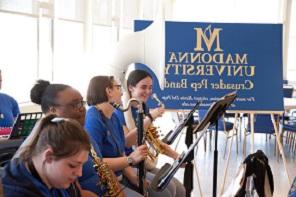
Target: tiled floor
204,162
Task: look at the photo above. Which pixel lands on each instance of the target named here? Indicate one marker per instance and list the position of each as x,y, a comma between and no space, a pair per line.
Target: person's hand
157,112
139,154
169,151
147,183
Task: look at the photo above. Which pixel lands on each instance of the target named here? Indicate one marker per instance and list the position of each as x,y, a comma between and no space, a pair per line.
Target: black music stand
172,135
170,138
214,113
167,172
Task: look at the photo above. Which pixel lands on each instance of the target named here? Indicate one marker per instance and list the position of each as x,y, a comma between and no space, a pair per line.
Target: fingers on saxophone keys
143,147
143,150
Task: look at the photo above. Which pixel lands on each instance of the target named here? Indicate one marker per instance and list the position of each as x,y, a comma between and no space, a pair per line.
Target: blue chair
288,91
290,128
262,124
8,149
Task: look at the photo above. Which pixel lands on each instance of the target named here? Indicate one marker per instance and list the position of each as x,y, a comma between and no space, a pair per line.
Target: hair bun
38,90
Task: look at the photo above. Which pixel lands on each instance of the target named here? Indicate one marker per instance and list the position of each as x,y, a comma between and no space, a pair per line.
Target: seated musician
139,84
104,126
52,163
65,101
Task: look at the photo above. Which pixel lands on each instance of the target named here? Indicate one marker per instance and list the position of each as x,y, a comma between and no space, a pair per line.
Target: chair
290,127
7,149
262,124
223,125
288,91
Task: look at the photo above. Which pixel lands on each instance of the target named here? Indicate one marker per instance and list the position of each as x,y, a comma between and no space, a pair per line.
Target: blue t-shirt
19,182
107,133
90,179
8,110
120,115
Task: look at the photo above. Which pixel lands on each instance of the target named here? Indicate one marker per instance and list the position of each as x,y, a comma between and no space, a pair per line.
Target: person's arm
116,164
120,163
130,136
95,128
97,131
130,174
156,112
85,193
152,115
168,151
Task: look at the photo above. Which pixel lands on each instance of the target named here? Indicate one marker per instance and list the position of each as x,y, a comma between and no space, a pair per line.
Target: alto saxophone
152,136
154,143
107,177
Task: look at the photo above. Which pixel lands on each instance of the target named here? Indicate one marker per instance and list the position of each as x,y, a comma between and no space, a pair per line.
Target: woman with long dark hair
139,85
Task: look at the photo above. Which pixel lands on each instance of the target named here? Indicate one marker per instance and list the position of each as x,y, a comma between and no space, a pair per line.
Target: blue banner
204,61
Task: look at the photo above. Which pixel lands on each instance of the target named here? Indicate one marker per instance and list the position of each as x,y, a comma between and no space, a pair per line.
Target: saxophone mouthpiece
159,102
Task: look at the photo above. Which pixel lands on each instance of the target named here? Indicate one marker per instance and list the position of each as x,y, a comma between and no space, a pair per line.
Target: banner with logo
204,61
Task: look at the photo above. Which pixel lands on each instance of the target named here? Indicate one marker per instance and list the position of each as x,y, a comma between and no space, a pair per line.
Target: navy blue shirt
107,133
19,182
120,115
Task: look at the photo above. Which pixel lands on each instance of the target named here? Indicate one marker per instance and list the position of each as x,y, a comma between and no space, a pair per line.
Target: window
18,51
25,50
292,45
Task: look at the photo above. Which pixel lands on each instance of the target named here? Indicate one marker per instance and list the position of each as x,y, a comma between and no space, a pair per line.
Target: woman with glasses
52,163
139,85
65,101
105,127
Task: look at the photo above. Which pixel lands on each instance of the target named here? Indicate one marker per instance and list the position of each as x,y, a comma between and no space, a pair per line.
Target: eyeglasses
74,105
